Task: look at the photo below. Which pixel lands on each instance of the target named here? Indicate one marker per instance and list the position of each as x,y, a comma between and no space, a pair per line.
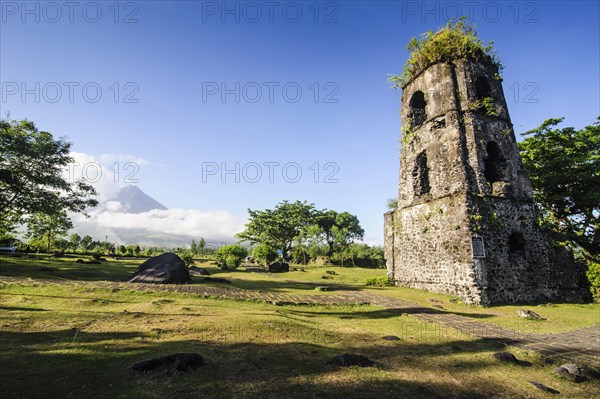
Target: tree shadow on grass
95,365
383,313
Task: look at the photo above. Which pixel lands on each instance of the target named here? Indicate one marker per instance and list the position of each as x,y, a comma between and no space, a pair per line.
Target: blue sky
161,68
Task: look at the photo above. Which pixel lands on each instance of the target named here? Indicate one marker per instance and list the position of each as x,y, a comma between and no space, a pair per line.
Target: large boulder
167,268
279,267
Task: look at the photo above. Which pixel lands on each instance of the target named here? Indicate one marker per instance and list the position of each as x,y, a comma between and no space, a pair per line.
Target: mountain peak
133,200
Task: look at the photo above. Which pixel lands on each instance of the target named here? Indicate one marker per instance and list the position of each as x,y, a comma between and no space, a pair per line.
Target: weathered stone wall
461,175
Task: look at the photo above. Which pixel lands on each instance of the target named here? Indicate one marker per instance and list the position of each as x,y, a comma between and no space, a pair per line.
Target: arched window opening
482,88
417,108
494,164
421,175
516,243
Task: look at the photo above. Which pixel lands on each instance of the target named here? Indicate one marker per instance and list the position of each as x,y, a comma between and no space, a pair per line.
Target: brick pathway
579,346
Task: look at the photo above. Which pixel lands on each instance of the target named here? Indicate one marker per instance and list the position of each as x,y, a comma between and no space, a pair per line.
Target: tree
47,228
339,229
194,247
86,242
74,241
32,175
264,254
230,257
564,168
280,226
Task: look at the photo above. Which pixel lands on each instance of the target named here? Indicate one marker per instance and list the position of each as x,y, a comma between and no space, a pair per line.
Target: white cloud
96,172
213,224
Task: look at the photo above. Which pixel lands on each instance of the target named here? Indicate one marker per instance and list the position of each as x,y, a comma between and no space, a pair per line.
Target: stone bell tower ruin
465,224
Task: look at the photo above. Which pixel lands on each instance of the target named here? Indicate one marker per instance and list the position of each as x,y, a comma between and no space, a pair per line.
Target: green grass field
65,341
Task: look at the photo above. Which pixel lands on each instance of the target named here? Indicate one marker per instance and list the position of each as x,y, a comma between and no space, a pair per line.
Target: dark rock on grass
391,338
543,387
589,372
570,372
350,359
215,280
79,261
330,272
174,362
199,271
323,288
279,267
167,268
505,357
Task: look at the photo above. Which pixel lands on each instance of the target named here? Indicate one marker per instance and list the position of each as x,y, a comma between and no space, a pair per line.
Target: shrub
383,281
360,255
264,254
230,257
456,40
593,275
187,257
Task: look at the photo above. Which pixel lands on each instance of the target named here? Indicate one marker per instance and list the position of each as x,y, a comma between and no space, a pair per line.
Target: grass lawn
77,342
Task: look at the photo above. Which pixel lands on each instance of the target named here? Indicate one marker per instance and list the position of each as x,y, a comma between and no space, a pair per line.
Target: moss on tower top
456,40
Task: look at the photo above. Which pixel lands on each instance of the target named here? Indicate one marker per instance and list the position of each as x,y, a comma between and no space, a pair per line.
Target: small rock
391,338
176,362
432,300
199,271
437,307
570,372
543,387
330,272
505,357
529,314
350,359
323,288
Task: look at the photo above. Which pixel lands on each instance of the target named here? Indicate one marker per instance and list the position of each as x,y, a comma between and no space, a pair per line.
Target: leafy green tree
122,249
564,168
74,241
32,175
264,254
280,226
230,257
194,247
61,244
48,228
86,242
339,229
